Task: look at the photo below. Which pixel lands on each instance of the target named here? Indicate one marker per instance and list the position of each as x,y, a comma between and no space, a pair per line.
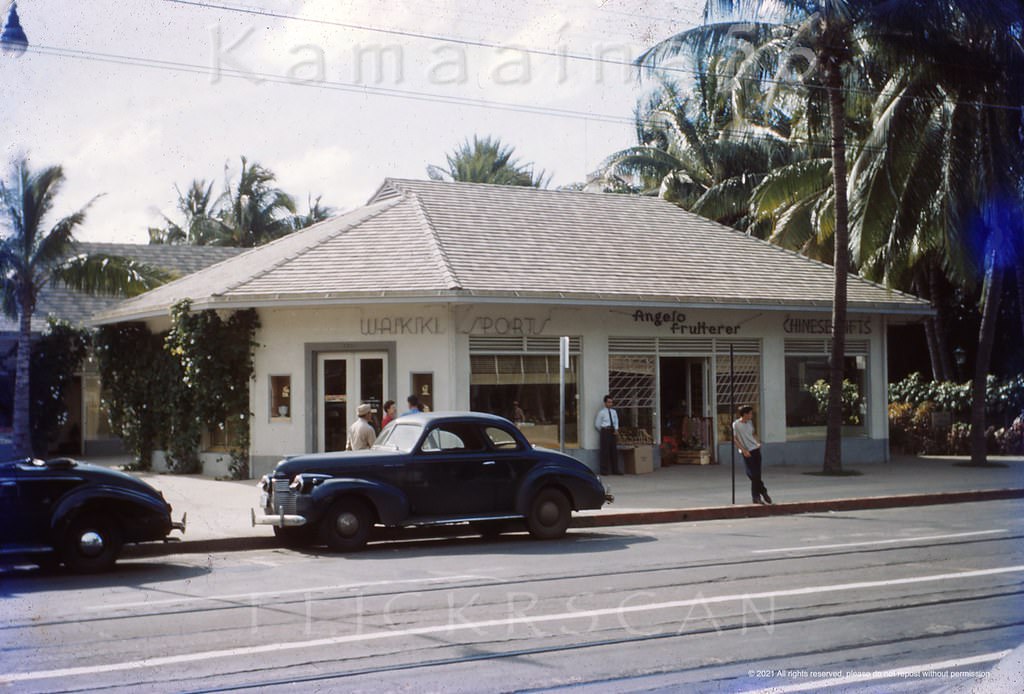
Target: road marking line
901,673
242,651
184,600
897,540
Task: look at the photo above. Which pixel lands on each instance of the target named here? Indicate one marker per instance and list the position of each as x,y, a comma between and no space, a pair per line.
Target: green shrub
914,401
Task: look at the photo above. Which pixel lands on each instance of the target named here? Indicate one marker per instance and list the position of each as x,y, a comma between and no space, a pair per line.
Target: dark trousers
753,463
609,453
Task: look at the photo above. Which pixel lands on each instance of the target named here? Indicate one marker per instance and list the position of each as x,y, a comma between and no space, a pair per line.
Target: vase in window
282,410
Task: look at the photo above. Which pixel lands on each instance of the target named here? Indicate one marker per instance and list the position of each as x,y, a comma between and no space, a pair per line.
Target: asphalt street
911,599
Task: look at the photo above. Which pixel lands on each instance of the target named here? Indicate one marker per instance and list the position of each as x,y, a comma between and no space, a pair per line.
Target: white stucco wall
435,338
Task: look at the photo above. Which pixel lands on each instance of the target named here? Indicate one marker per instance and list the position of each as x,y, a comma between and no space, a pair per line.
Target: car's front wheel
550,514
91,543
346,527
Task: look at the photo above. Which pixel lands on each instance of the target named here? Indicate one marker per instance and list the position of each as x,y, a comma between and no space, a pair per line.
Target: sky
134,98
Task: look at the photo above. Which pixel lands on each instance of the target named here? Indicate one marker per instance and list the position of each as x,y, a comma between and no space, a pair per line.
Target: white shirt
606,417
744,434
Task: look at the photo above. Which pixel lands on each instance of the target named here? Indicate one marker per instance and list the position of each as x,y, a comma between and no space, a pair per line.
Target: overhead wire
563,55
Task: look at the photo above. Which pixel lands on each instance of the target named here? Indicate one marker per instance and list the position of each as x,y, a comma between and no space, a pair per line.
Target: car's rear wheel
91,543
294,538
346,527
550,514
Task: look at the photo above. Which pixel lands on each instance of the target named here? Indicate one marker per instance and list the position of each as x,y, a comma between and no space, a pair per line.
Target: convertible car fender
390,503
144,517
584,490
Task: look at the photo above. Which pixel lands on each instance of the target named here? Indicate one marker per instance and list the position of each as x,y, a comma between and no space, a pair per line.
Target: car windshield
399,436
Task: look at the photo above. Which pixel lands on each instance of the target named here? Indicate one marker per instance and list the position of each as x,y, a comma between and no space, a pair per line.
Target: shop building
461,292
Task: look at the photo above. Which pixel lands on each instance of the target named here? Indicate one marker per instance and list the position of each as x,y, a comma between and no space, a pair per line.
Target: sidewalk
218,510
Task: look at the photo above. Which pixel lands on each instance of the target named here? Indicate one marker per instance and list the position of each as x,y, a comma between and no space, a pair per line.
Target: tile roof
77,307
431,240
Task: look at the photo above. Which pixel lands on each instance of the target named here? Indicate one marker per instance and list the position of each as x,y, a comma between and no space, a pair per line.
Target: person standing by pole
607,424
746,443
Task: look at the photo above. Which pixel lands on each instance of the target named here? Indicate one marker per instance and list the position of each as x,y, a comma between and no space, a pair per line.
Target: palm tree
697,151
253,211
825,44
200,225
31,258
948,201
487,161
317,213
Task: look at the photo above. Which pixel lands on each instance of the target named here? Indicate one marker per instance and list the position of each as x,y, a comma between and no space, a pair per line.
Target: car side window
500,439
455,436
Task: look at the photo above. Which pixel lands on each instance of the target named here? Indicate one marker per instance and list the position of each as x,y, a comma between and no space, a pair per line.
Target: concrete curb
792,508
607,520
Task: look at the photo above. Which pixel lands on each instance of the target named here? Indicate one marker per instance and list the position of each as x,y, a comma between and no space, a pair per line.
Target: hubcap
90,543
548,513
347,524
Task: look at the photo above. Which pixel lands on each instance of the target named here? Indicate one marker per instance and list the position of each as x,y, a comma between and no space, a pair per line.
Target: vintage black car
77,513
427,469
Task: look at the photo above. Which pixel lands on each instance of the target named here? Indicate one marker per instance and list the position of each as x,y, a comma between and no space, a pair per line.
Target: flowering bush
918,423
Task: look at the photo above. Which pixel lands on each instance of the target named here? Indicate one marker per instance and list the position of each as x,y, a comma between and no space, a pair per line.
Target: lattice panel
747,386
631,380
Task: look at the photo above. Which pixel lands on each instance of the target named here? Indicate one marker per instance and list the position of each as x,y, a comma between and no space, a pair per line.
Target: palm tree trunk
1020,294
933,346
986,338
22,394
837,115
946,371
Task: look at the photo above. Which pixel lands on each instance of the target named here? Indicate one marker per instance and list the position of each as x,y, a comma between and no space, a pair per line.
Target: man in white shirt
748,445
360,434
607,424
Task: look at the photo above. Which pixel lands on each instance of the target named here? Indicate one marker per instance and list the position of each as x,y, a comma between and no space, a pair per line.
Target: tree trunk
1020,294
986,338
837,114
22,394
933,347
946,370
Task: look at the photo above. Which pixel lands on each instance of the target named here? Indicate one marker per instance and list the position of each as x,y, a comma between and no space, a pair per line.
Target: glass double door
346,379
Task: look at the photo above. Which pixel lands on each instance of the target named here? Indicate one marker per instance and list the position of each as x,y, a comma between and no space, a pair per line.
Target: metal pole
732,412
563,364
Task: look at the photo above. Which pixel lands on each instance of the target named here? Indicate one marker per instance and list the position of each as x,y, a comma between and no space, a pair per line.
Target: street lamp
13,41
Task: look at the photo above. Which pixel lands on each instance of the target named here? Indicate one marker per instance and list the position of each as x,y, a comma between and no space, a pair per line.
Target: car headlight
305,483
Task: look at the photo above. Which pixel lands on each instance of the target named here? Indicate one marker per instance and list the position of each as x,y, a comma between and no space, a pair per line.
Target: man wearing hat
361,434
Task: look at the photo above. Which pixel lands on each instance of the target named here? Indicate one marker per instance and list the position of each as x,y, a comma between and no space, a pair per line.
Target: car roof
431,417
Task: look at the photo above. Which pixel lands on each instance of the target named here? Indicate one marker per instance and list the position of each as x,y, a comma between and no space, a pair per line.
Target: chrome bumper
180,525
279,520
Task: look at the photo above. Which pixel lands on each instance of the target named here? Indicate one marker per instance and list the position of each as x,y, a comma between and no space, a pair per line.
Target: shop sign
823,326
678,325
400,326
516,325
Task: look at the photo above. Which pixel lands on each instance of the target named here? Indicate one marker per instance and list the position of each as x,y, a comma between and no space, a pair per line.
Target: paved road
921,595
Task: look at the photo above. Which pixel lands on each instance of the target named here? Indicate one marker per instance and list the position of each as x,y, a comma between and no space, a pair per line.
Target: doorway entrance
685,406
344,380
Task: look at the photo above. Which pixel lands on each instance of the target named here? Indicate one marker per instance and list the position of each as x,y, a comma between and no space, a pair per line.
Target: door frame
313,351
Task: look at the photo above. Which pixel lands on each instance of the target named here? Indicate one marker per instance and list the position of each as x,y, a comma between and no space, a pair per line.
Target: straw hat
364,410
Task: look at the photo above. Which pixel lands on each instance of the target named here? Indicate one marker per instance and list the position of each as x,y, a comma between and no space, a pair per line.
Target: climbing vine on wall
162,390
216,359
138,376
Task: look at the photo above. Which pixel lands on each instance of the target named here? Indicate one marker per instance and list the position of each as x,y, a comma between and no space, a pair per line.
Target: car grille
283,498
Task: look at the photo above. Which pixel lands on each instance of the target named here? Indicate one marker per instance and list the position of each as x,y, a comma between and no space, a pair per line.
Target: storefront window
631,383
524,389
737,383
807,391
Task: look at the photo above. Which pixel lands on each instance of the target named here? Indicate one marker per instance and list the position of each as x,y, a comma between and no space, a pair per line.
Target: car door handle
8,484
488,462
